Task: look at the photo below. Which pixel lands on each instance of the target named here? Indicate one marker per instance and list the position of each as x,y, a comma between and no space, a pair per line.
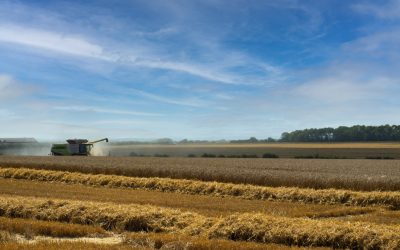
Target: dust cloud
100,149
41,149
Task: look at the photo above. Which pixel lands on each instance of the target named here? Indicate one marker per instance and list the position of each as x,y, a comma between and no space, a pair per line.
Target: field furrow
148,203
203,204
306,195
240,226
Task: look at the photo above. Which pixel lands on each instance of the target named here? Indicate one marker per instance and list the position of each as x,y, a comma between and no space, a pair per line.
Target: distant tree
270,139
165,141
184,141
253,140
285,137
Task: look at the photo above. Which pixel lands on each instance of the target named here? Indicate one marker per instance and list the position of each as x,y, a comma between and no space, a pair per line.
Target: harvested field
247,227
306,195
173,241
147,241
6,237
43,245
379,217
30,228
313,173
203,204
87,198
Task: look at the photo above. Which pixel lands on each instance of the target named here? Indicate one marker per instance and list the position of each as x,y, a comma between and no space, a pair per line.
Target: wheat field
99,203
306,195
367,175
244,227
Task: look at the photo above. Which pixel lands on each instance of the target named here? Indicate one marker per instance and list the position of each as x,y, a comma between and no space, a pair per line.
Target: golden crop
246,227
367,175
5,237
44,245
105,193
30,228
307,195
179,241
151,242
208,205
107,215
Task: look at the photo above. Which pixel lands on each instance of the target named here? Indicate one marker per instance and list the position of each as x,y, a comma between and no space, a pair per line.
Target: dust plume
100,149
40,149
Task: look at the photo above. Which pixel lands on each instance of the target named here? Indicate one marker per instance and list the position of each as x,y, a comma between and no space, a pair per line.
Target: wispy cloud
384,43
388,10
78,45
57,42
231,70
11,88
158,33
5,83
191,102
7,115
141,45
347,88
119,122
89,109
187,68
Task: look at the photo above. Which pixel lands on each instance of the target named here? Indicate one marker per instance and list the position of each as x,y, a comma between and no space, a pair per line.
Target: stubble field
356,174
196,203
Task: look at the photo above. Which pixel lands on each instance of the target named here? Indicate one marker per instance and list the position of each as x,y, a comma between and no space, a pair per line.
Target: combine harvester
74,147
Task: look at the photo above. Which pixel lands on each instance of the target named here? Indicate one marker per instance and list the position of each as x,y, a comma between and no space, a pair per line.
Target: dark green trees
344,134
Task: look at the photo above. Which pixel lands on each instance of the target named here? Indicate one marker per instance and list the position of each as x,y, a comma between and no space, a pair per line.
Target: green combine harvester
74,147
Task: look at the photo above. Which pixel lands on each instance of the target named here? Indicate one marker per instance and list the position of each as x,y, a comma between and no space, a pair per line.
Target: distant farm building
18,140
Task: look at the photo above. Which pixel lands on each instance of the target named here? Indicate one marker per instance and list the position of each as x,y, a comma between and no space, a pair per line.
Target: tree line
357,133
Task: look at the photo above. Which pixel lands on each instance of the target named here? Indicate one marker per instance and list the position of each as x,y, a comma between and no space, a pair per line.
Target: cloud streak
57,42
348,88
11,88
88,109
231,70
193,102
388,10
78,46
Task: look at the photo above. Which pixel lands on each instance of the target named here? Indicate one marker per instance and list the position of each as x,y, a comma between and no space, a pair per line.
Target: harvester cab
75,147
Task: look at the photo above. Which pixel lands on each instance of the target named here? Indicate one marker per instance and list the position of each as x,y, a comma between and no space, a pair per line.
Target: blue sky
207,69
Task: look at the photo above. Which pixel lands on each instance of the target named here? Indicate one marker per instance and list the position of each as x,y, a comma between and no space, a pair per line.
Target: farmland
358,174
283,150
347,150
198,203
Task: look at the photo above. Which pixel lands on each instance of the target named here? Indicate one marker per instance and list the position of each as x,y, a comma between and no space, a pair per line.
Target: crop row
307,195
179,241
365,175
138,241
30,228
244,227
13,244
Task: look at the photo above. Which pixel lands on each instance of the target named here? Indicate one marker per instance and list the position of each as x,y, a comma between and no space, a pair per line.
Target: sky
199,69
